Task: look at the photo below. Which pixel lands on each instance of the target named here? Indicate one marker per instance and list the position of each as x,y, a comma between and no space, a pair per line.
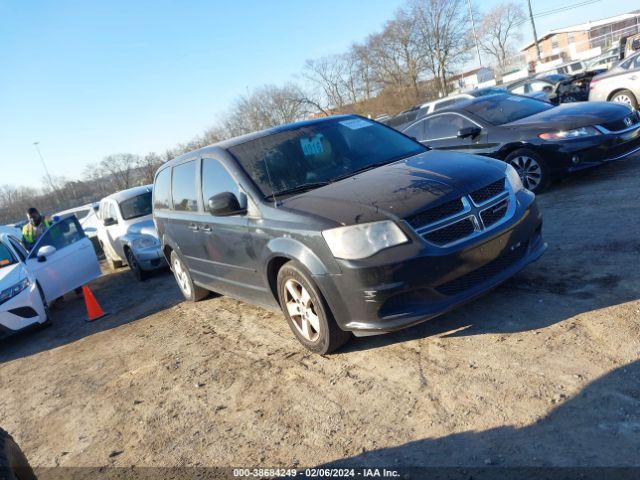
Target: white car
62,260
87,216
127,233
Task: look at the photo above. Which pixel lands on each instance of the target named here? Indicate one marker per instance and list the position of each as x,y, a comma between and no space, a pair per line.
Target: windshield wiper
300,188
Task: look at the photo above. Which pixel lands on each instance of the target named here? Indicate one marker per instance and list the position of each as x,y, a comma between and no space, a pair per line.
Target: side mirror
469,132
224,204
44,252
109,221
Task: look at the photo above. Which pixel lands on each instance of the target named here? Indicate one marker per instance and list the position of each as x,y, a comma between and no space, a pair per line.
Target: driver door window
445,127
216,179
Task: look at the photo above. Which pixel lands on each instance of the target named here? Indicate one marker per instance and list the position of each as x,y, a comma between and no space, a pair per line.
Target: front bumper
150,258
574,155
23,310
409,284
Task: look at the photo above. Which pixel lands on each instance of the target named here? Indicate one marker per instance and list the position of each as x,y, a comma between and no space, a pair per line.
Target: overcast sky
88,78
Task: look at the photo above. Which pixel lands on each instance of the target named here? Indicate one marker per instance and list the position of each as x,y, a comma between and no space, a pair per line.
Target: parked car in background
556,88
570,68
621,83
127,233
541,141
346,224
62,260
415,113
603,62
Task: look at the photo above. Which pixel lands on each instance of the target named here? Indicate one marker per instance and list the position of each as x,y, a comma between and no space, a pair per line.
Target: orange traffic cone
94,312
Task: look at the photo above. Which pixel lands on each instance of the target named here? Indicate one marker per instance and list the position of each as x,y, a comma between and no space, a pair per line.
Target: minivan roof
232,142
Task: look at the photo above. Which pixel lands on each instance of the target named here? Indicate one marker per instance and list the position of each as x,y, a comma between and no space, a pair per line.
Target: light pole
533,26
475,36
44,165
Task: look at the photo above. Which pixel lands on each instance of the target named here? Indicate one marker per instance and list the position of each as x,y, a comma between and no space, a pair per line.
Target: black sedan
541,141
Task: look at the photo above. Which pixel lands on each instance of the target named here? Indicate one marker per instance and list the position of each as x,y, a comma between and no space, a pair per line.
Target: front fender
296,250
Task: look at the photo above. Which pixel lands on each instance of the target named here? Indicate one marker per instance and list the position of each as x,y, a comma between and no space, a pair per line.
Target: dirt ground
543,371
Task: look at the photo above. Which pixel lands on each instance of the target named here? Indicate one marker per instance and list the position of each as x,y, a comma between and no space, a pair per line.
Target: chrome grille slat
490,207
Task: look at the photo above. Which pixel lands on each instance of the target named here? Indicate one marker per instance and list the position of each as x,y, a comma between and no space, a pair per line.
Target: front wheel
531,168
307,313
191,291
135,267
626,97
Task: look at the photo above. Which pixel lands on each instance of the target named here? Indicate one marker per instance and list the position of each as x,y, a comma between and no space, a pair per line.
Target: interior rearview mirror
109,221
45,251
225,204
469,132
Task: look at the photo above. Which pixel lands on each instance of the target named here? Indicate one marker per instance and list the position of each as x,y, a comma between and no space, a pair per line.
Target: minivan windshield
313,155
137,206
501,109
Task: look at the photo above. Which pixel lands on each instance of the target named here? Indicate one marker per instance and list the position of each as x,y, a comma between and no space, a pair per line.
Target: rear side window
416,130
183,187
161,199
216,179
445,126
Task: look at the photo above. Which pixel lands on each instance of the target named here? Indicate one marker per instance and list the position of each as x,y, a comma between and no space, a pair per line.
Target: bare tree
119,168
147,166
443,27
499,29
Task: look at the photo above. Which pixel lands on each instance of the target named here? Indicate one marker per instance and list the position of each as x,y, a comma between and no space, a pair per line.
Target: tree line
411,59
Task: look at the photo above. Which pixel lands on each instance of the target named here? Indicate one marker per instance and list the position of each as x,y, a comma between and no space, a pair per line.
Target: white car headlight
513,178
14,290
361,241
581,132
144,241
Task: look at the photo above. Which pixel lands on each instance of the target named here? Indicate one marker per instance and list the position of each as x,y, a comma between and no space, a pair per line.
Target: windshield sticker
4,262
312,146
356,123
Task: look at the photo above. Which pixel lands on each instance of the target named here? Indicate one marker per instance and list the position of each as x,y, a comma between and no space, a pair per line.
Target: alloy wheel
529,171
623,98
182,277
302,310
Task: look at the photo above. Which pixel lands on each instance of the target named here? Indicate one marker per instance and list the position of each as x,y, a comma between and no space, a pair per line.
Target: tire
140,274
191,292
626,97
531,167
307,312
13,463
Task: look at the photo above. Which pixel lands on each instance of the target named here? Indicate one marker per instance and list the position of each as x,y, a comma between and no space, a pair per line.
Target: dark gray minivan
346,224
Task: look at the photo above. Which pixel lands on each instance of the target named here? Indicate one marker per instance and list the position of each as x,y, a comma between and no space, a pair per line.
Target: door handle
207,229
193,227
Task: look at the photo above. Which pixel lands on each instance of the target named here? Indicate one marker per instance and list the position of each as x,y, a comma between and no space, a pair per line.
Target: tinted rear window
135,207
499,110
183,187
161,195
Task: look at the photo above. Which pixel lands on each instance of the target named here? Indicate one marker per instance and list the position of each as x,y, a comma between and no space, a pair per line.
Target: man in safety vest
34,229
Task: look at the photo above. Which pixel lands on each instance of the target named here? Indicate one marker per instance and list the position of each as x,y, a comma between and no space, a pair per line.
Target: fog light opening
576,159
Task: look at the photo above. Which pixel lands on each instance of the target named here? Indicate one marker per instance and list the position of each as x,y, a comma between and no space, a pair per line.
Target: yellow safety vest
27,231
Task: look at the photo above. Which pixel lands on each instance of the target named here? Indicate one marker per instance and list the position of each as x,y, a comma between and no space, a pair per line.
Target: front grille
436,213
485,193
621,125
451,233
494,213
491,269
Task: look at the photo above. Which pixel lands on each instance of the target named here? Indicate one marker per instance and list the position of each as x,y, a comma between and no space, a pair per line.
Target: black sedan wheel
531,168
309,316
137,271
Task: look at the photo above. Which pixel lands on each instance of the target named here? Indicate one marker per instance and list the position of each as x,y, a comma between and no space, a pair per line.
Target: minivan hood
573,115
144,227
399,189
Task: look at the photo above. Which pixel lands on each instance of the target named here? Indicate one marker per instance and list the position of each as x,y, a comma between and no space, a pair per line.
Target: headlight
145,241
362,241
513,178
14,290
581,132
